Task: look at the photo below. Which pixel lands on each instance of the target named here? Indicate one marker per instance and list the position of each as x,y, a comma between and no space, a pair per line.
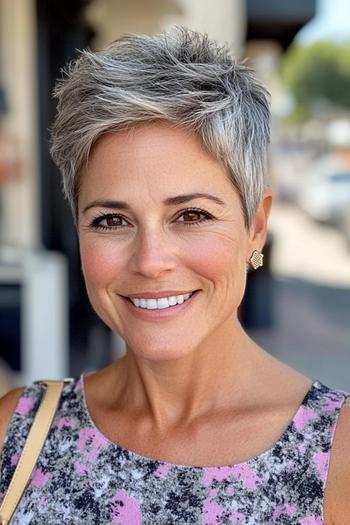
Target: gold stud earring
256,259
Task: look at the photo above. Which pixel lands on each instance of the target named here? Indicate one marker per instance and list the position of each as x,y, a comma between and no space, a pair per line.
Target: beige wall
19,197
111,18
223,20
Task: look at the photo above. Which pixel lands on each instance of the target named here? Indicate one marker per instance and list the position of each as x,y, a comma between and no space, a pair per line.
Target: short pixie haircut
181,77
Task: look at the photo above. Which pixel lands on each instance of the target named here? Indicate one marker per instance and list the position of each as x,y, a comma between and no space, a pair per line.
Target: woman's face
162,239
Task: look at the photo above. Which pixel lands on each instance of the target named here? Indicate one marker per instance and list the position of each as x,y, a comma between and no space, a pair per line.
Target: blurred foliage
317,73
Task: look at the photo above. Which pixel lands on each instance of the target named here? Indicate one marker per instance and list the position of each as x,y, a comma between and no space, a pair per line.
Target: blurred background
298,305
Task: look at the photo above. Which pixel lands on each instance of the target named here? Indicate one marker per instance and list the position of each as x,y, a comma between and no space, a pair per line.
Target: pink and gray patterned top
83,478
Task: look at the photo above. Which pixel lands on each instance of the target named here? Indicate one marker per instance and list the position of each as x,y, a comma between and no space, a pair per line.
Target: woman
162,142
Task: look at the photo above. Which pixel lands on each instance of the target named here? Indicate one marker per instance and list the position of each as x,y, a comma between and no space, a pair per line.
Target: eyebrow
182,199
170,201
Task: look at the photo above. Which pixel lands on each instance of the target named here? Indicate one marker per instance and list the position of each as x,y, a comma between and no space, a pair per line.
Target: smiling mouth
160,303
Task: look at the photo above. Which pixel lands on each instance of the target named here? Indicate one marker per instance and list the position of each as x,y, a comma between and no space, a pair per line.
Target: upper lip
157,295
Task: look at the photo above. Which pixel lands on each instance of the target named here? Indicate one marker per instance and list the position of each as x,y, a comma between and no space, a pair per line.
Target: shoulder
8,404
337,496
19,406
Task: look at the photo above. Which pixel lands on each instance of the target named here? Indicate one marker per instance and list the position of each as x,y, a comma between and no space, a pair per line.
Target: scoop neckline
145,459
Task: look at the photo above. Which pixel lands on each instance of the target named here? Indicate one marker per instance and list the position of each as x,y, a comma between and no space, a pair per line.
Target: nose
153,254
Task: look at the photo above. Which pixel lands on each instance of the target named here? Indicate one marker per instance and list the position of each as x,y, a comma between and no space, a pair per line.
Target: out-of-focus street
311,298
305,249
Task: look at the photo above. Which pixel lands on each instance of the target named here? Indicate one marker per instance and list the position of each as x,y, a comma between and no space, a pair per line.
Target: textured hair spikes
181,77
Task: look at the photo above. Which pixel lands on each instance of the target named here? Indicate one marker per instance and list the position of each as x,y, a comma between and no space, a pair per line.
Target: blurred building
47,327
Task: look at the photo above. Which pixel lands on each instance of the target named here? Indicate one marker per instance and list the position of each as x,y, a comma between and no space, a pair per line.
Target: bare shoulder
337,496
8,404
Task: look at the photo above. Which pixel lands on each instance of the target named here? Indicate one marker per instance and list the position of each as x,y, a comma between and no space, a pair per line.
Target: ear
258,230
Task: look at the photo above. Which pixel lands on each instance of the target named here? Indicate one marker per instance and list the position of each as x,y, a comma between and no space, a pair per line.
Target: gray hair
181,77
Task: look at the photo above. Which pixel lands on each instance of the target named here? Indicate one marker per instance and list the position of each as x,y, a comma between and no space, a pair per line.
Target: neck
180,390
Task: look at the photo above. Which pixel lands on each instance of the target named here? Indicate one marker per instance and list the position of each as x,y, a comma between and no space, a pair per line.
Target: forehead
156,157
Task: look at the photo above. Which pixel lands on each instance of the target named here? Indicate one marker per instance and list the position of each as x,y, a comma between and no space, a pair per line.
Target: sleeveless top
83,478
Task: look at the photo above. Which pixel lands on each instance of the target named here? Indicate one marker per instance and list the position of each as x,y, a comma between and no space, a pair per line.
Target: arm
8,404
337,496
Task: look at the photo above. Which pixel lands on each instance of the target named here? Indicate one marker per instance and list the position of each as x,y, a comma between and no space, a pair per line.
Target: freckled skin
156,251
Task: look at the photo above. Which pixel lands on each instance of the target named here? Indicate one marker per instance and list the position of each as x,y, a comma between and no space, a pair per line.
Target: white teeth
161,303
151,304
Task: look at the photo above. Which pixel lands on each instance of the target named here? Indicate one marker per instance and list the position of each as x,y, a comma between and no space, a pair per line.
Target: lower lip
163,313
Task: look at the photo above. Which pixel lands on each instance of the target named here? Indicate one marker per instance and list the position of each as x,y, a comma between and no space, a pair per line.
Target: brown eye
192,216
110,221
113,221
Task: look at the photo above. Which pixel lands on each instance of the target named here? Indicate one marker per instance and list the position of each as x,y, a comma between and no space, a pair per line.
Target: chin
157,349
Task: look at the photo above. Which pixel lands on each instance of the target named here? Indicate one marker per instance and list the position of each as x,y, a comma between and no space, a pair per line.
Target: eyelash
207,216
96,223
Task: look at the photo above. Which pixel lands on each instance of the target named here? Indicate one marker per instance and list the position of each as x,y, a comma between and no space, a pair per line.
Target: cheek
100,262
221,261
217,257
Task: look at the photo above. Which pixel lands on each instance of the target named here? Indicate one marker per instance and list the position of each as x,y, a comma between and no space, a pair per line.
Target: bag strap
32,448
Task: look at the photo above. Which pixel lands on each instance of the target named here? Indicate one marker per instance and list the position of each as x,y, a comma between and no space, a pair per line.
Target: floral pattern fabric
83,478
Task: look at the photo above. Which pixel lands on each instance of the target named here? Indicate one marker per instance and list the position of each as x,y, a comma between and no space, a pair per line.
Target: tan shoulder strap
32,448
